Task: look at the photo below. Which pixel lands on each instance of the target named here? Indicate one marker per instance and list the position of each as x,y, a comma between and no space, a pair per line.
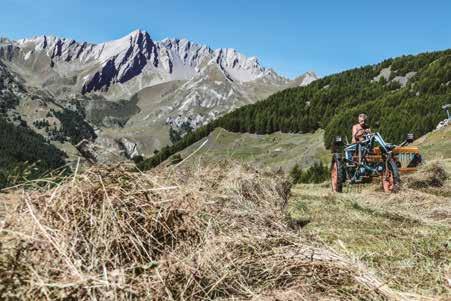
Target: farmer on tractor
358,133
369,157
360,129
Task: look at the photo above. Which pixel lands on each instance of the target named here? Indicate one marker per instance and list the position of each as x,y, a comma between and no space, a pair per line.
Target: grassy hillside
277,150
436,144
403,236
400,95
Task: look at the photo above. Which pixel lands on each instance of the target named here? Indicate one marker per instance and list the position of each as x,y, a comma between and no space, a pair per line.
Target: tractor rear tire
337,175
391,181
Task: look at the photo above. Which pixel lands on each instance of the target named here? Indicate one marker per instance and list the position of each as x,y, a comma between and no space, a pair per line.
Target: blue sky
290,36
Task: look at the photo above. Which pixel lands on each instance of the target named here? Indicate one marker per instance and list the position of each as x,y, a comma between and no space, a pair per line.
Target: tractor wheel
390,177
337,175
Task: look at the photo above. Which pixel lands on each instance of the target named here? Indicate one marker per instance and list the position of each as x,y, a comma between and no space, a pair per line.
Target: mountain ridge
118,61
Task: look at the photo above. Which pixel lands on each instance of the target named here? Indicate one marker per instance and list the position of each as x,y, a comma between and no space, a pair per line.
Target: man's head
363,118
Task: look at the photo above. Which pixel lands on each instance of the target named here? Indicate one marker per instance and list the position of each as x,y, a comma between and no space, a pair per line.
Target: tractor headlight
337,142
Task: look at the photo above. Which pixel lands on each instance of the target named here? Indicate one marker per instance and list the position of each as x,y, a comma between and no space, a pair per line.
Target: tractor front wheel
336,175
390,177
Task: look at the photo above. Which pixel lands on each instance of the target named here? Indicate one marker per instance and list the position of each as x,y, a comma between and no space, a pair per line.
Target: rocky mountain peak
238,66
306,79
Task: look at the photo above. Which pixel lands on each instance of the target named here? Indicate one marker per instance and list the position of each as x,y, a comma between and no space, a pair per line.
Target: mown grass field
278,150
405,238
436,144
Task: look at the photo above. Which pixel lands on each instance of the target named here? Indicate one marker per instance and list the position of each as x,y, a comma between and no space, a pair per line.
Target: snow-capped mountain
170,82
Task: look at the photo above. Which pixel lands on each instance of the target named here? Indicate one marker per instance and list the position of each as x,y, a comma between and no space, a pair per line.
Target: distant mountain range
135,88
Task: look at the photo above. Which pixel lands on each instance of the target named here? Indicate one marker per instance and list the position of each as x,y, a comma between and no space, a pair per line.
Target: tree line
25,154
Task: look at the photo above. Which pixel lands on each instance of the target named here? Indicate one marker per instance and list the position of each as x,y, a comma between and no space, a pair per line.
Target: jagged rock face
125,65
192,122
181,57
401,80
88,151
237,66
130,148
106,150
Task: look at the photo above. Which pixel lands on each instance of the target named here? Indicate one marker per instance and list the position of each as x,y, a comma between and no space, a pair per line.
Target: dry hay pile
426,192
432,174
216,233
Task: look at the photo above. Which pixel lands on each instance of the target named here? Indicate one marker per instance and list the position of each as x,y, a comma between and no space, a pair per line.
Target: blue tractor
370,158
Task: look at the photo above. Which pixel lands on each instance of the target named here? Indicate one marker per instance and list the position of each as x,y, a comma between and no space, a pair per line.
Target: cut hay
432,174
216,233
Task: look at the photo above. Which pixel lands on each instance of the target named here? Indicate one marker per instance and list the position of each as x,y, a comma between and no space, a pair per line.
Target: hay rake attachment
407,158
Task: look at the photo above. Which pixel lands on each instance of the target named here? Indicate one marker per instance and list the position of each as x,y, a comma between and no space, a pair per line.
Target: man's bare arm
354,132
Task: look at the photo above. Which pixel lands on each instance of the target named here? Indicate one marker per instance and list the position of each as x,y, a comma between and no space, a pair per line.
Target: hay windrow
212,233
432,175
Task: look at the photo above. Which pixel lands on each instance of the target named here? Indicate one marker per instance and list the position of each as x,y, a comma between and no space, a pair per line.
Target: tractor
372,158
